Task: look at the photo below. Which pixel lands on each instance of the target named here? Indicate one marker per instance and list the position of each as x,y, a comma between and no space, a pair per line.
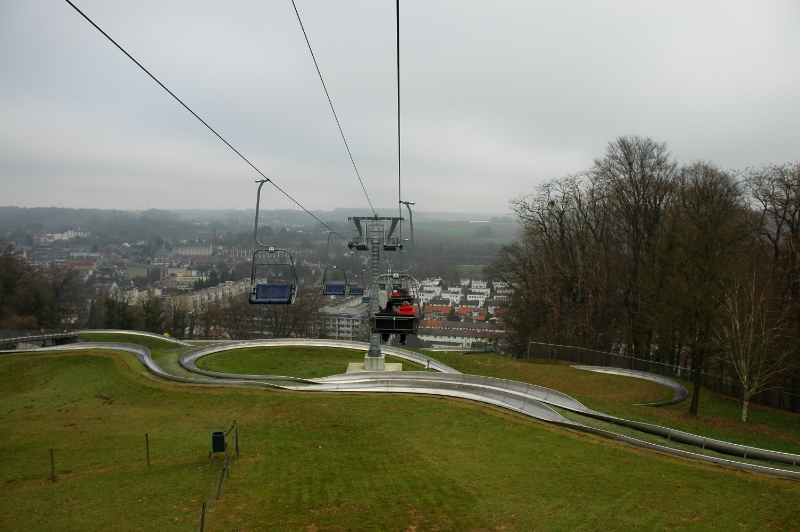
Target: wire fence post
221,480
147,445
236,437
203,517
52,466
226,458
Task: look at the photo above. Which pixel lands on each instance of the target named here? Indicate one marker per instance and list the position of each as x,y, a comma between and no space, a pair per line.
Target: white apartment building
476,283
342,319
221,292
451,295
193,249
425,296
478,298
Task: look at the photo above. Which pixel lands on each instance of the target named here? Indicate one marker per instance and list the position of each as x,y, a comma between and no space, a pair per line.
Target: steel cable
200,119
332,109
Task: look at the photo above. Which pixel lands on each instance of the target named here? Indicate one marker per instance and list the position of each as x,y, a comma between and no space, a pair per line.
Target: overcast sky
497,96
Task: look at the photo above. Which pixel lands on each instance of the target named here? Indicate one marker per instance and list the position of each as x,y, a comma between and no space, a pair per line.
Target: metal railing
42,335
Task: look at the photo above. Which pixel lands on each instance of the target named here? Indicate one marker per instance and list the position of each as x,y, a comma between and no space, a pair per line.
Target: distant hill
61,219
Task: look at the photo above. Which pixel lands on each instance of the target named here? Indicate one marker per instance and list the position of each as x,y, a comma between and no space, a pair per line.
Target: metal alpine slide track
525,399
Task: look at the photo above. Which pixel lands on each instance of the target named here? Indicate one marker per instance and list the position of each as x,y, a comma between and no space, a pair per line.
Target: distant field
502,232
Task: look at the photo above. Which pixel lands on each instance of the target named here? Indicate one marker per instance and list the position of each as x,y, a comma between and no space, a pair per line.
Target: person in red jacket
405,310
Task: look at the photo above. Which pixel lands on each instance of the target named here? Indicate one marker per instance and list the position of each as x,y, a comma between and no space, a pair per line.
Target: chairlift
394,324
336,287
403,285
265,293
391,323
270,293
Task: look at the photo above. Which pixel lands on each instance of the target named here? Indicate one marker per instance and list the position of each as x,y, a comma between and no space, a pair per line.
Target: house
478,298
477,283
451,295
425,295
431,282
437,312
459,335
163,254
492,305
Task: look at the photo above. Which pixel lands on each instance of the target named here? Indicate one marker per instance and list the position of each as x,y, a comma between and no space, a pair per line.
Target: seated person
388,310
405,310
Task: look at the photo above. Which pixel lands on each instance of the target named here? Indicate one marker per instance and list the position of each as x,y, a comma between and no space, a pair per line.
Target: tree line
30,299
687,265
231,318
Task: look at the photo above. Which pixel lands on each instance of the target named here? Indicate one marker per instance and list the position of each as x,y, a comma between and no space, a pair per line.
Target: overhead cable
399,195
332,109
201,120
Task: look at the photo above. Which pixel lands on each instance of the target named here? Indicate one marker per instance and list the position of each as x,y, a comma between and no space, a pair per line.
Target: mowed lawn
293,361
718,417
313,461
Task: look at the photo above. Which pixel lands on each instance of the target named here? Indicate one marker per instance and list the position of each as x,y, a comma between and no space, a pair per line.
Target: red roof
430,323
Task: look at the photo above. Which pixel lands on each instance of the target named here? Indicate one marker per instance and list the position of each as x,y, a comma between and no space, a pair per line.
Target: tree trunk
745,402
695,392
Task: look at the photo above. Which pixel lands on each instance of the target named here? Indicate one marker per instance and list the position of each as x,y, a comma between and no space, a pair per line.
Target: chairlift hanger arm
258,202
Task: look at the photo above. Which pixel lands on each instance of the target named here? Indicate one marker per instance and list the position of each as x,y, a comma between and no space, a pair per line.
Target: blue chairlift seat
334,289
366,299
272,294
356,291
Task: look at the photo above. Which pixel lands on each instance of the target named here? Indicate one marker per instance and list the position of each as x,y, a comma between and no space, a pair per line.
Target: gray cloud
497,96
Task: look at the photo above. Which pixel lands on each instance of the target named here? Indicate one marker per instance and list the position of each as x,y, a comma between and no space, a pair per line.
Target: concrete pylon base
358,367
374,363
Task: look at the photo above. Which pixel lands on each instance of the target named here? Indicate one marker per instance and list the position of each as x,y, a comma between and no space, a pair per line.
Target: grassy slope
305,362
718,417
333,462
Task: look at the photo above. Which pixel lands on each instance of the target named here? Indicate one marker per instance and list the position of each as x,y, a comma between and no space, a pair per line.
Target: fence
209,506
45,337
722,383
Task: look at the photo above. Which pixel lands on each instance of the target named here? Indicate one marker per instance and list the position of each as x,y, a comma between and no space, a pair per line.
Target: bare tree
709,233
232,316
751,339
637,175
284,321
178,314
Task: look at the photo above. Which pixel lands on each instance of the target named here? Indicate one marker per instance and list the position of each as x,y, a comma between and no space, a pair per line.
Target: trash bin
218,442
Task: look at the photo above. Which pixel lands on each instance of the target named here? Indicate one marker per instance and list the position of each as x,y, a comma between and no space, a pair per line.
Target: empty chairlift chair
272,293
356,291
331,286
263,292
